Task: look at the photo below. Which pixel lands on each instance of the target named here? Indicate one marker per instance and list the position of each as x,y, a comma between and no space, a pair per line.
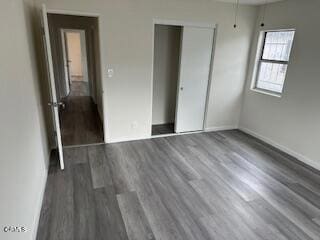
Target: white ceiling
251,2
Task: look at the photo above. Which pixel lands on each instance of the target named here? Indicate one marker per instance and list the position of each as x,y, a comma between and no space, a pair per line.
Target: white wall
23,141
293,121
126,31
165,73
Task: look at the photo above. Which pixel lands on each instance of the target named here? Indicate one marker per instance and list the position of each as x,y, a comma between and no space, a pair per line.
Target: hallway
80,120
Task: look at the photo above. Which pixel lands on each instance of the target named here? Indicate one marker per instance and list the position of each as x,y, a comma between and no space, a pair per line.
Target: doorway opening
181,77
76,65
167,41
75,61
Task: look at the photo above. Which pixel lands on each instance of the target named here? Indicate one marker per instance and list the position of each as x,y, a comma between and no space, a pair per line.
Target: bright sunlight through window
274,59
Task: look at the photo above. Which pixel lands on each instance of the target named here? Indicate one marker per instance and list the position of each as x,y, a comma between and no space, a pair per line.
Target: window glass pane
278,45
271,76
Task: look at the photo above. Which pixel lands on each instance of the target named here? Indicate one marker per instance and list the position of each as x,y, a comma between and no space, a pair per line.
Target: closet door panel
195,61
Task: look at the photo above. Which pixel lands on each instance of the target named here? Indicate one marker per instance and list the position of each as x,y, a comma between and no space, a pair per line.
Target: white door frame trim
101,59
65,62
182,23
73,13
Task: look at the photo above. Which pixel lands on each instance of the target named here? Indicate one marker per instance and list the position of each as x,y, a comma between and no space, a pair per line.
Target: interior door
53,95
195,61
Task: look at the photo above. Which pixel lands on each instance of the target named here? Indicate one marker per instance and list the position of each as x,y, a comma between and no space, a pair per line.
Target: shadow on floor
162,129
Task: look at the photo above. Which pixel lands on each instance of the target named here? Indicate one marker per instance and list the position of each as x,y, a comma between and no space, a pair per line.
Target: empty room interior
160,120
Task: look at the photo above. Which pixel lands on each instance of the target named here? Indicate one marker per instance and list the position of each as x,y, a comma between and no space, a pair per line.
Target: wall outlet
134,125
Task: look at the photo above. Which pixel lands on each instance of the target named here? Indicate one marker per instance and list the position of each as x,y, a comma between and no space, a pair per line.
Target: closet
181,71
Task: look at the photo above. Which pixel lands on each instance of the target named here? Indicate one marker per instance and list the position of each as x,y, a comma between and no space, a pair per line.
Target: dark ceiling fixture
236,7
264,10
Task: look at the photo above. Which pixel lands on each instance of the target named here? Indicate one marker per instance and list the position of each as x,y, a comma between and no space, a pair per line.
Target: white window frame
258,61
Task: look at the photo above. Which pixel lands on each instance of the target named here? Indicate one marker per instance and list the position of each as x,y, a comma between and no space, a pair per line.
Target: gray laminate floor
224,186
80,122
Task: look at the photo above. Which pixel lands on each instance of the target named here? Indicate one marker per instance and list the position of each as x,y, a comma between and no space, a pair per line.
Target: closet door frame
179,23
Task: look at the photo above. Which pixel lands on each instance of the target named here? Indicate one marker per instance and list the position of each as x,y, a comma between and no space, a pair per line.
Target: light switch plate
110,72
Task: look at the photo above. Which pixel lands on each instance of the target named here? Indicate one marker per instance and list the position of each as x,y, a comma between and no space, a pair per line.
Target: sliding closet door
195,62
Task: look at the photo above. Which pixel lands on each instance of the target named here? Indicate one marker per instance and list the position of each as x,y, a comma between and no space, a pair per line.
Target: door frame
65,61
181,23
101,59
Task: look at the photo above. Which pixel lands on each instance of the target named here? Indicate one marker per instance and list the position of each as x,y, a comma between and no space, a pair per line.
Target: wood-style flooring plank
57,214
278,220
270,159
136,223
109,221
84,207
100,171
205,186
296,209
227,204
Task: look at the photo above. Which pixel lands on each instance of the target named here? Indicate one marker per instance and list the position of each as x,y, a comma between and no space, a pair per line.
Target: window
273,60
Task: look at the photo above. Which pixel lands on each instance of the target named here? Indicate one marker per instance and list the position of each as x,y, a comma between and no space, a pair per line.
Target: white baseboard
39,205
220,128
287,150
207,129
127,139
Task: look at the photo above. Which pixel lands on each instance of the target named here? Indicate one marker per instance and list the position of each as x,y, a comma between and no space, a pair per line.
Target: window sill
273,94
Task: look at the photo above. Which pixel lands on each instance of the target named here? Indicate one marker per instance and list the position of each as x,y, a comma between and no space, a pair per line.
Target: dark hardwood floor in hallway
80,120
223,185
